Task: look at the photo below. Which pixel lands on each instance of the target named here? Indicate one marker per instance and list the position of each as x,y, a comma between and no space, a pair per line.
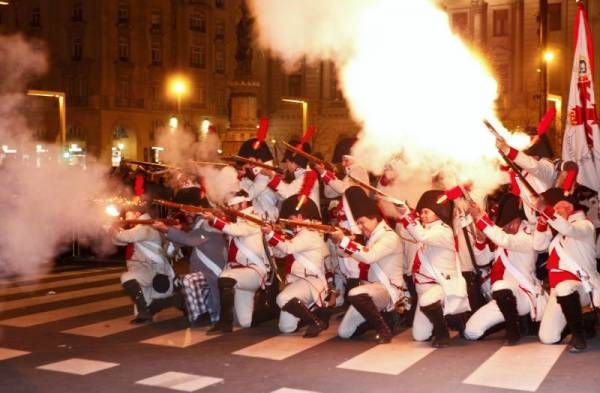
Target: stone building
113,57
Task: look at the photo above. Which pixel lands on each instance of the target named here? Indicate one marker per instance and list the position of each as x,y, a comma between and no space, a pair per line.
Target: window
123,13
220,30
197,57
500,18
123,91
295,85
76,49
460,23
123,48
156,20
220,61
77,11
554,17
198,22
36,18
220,3
156,53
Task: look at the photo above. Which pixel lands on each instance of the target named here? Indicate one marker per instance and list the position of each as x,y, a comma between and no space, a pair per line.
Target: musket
383,195
186,208
253,163
145,163
329,166
325,228
510,162
167,221
207,163
245,216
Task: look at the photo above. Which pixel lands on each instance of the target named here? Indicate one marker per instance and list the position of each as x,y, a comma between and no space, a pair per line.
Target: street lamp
61,96
547,57
178,87
304,109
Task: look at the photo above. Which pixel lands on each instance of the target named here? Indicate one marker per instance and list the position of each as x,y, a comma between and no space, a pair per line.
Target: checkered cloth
196,292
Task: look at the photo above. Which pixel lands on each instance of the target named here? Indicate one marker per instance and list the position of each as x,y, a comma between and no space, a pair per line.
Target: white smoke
41,207
415,87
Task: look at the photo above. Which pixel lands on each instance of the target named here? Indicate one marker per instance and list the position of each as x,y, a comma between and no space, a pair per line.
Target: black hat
360,204
442,210
308,209
253,148
509,208
293,157
555,194
342,148
190,196
541,148
161,283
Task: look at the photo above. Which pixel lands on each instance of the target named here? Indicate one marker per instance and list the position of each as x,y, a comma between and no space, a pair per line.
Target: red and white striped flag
581,141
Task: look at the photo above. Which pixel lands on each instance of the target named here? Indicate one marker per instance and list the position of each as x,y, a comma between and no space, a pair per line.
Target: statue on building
243,54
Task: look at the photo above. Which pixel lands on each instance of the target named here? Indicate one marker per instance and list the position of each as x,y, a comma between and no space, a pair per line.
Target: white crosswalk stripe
9,353
39,300
180,381
58,284
290,390
392,358
78,366
284,346
119,325
519,367
64,313
183,338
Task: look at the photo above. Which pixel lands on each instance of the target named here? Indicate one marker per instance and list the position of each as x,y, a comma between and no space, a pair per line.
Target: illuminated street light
61,96
178,87
205,126
304,109
173,122
548,56
4,2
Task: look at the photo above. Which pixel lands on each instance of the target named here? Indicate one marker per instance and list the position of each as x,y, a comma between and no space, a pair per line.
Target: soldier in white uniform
149,274
514,286
306,285
383,253
334,188
572,274
436,270
254,182
305,182
247,267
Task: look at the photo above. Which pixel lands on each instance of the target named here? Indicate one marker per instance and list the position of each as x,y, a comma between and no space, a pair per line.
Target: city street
70,331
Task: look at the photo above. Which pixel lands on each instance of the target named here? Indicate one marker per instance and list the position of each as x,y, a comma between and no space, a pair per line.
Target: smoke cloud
415,88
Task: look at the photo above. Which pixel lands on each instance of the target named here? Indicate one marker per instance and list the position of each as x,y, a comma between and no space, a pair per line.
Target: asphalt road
69,332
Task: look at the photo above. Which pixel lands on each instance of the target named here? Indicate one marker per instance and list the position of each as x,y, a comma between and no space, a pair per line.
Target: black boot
474,293
361,329
365,306
226,293
571,308
435,314
299,310
133,289
410,285
157,305
507,303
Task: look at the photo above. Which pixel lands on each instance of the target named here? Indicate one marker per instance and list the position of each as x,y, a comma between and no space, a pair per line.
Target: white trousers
427,295
248,281
300,289
553,320
489,315
352,318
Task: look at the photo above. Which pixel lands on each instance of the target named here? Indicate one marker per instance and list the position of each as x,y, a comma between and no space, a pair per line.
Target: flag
581,141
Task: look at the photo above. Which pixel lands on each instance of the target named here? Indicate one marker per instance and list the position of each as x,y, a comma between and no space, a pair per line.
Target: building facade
113,58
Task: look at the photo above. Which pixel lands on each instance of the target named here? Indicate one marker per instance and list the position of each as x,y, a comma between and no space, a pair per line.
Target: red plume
138,185
310,177
546,121
310,131
571,169
261,134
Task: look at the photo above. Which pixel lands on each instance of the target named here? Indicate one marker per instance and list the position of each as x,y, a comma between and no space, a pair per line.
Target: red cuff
349,249
328,176
549,212
218,223
512,153
275,239
484,222
274,183
363,271
407,220
541,227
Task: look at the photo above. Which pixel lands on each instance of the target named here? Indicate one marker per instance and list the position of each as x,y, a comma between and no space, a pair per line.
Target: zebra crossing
520,368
